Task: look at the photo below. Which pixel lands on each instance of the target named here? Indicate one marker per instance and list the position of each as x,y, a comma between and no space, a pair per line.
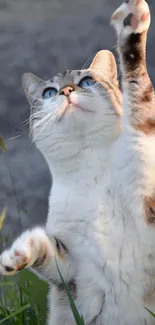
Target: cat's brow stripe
78,73
65,73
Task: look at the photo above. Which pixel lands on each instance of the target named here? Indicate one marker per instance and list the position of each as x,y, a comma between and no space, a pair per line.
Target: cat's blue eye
86,82
49,93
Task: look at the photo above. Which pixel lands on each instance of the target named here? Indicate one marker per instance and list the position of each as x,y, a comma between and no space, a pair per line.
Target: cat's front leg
135,167
35,249
131,22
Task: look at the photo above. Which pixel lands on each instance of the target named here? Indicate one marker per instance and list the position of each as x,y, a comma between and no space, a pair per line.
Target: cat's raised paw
22,254
133,16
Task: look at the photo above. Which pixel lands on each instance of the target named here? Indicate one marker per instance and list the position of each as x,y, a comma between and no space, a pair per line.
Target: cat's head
75,106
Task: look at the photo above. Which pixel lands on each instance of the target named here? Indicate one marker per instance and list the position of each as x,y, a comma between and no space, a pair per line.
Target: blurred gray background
44,37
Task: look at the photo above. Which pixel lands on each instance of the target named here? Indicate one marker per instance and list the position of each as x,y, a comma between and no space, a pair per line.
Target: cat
75,119
108,251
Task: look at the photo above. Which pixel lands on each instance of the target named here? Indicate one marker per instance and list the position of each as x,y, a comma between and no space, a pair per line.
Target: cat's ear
105,62
32,86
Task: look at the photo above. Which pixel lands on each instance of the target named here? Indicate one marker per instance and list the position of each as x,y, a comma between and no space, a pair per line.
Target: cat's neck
81,166
78,179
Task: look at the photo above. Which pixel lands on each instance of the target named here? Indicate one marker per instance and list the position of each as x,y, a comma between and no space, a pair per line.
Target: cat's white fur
77,152
97,211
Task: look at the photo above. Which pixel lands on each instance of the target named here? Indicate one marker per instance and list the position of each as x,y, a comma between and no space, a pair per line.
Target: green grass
23,300
78,318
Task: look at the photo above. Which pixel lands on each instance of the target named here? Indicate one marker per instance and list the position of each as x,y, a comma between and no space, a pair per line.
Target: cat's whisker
54,119
38,115
31,116
15,137
34,139
41,121
51,122
33,106
85,66
57,119
40,112
25,122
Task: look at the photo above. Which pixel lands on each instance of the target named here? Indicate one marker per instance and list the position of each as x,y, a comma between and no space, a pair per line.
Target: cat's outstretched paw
133,16
25,251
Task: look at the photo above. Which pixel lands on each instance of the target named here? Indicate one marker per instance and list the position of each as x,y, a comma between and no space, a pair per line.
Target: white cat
102,207
75,119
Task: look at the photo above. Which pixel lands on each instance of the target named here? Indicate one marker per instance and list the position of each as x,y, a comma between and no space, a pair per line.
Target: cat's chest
75,211
74,202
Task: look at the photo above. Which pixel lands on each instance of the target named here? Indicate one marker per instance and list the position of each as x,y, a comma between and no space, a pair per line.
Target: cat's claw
22,254
133,16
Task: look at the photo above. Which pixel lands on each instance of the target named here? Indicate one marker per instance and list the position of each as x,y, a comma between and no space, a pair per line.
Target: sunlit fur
102,206
75,139
101,221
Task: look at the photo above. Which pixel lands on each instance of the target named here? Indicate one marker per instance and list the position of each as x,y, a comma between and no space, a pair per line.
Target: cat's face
75,104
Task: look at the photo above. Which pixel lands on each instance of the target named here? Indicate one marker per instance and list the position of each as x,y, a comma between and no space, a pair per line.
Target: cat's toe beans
140,10
20,260
12,261
23,253
132,16
120,17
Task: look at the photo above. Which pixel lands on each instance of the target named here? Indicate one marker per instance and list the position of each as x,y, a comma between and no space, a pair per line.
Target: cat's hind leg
60,312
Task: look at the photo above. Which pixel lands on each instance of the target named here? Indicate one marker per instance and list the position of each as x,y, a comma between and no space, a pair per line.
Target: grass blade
21,310
150,312
2,144
6,284
78,318
2,218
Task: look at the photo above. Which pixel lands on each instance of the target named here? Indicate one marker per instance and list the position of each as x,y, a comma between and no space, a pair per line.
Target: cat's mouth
72,105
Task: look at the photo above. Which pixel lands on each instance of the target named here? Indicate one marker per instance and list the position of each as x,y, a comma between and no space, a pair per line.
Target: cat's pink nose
66,91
